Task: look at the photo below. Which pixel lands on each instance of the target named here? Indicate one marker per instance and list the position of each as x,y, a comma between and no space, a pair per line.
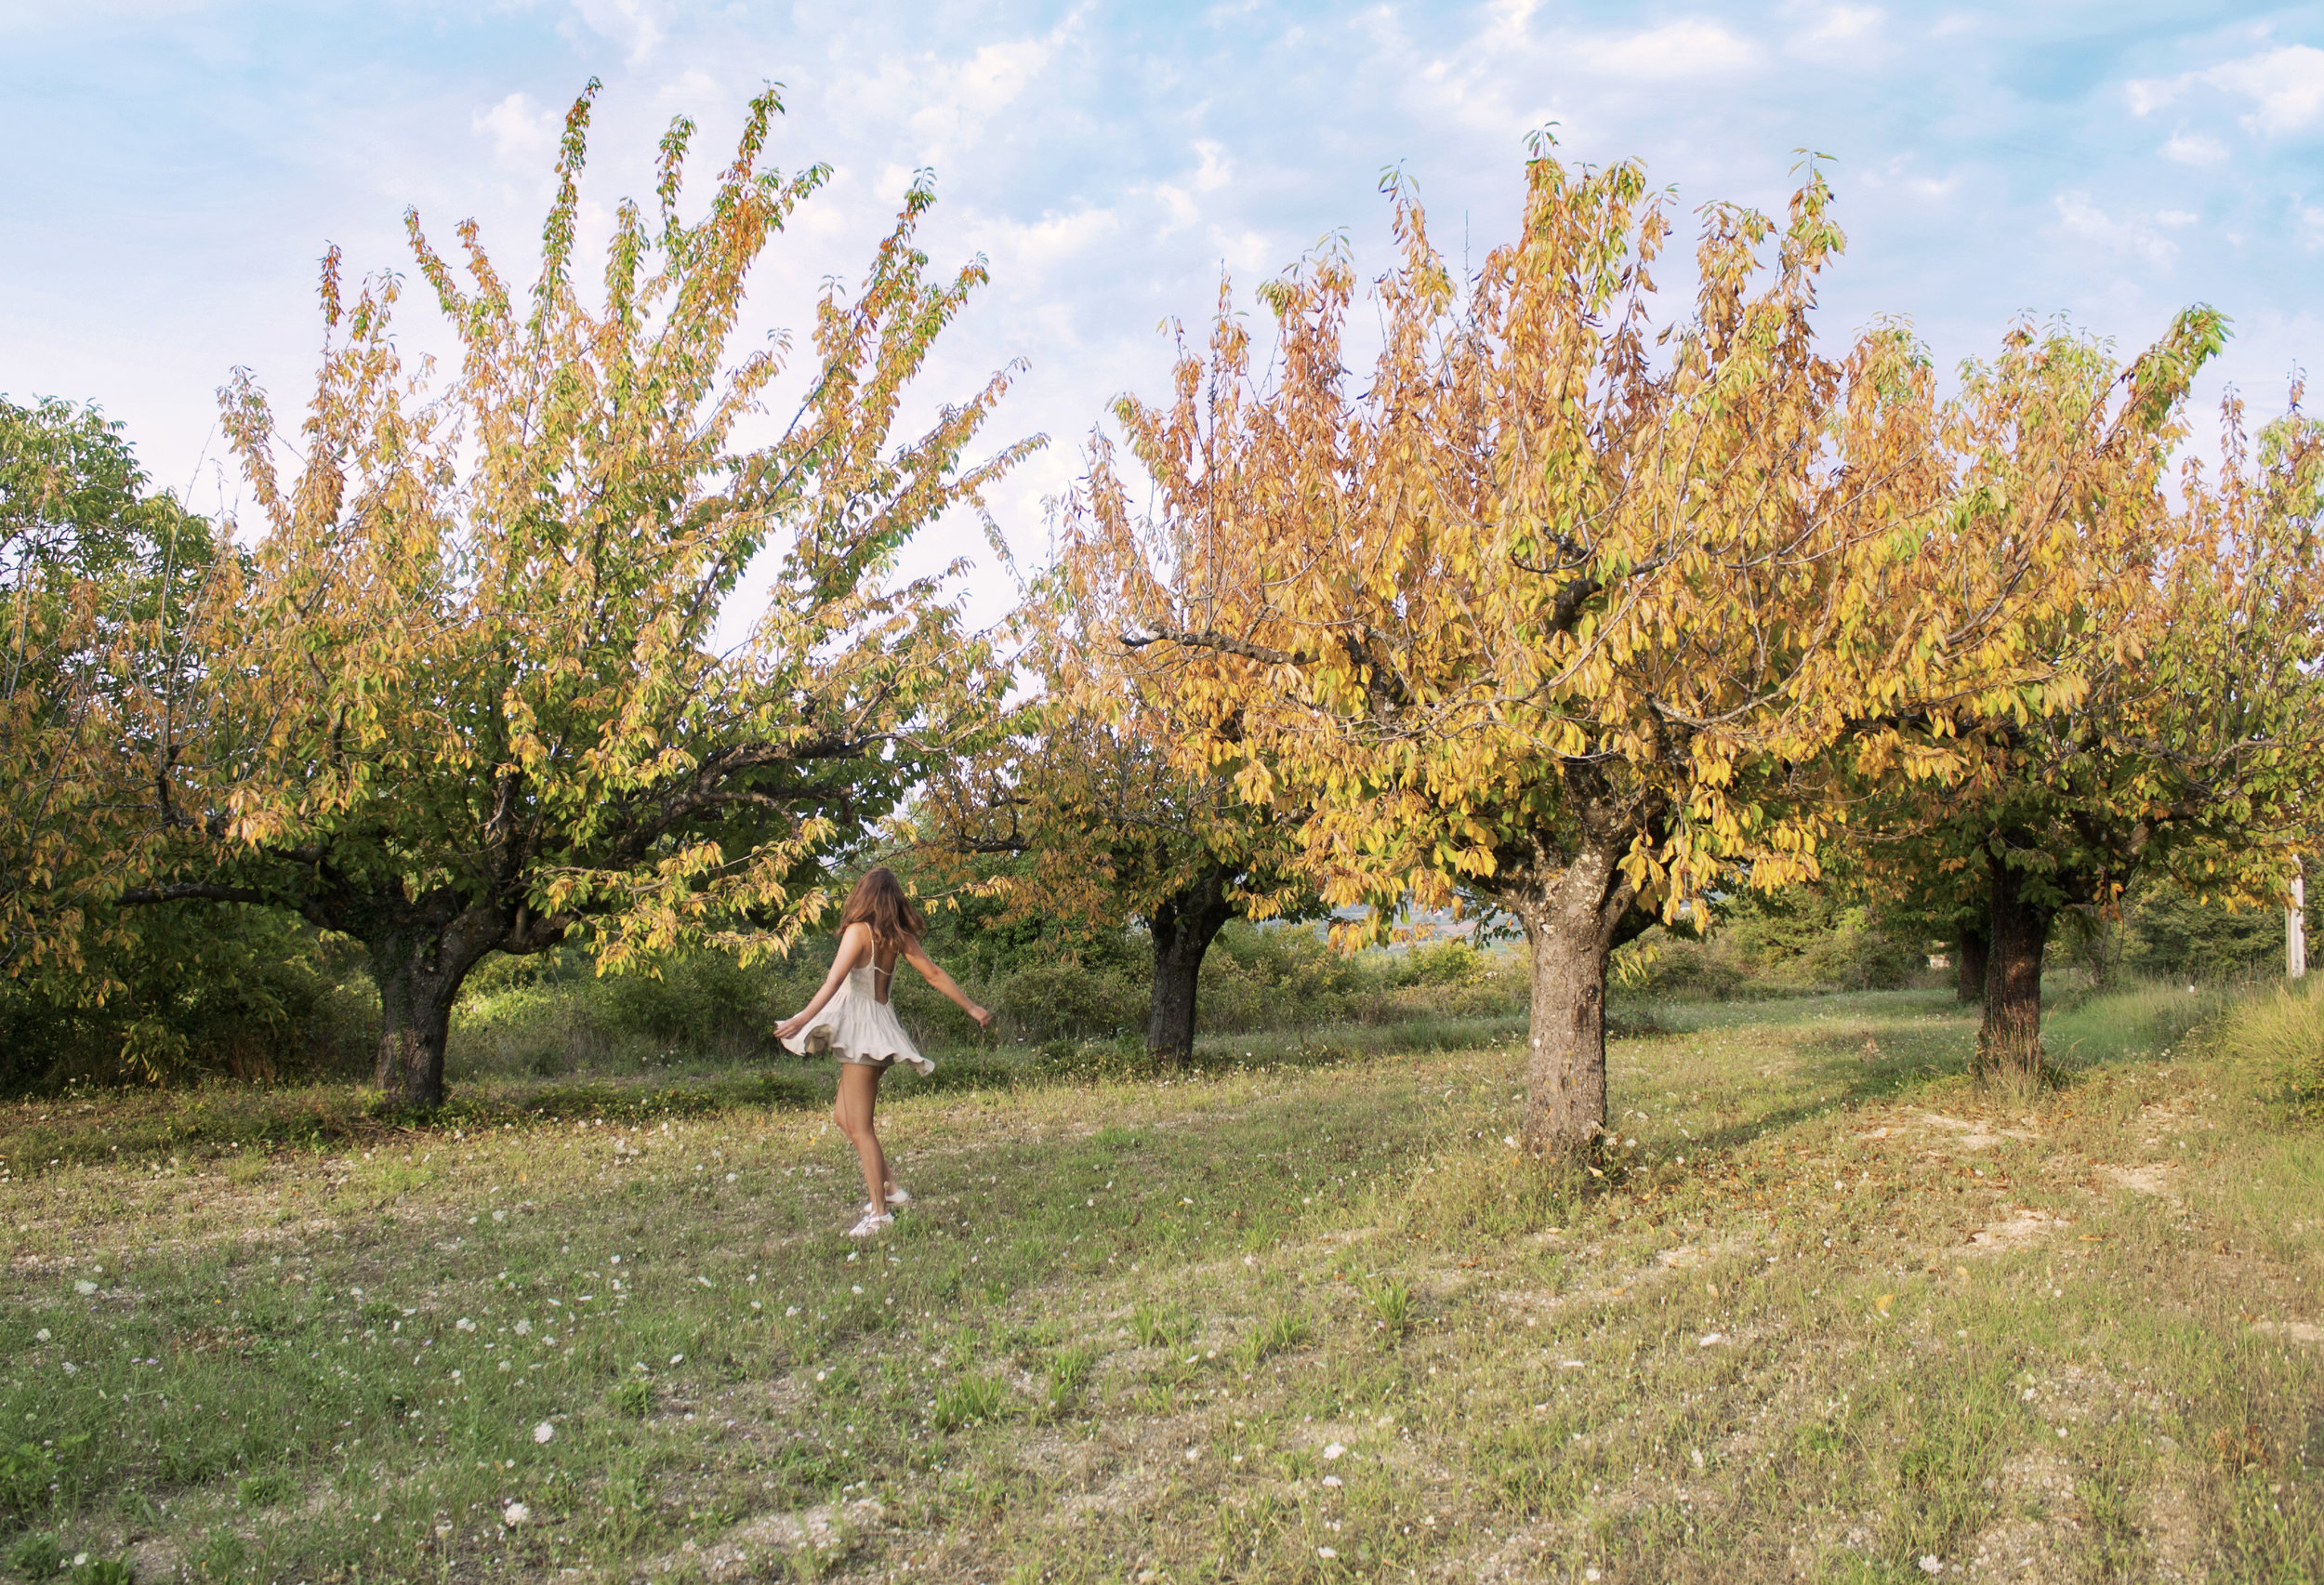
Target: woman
851,1016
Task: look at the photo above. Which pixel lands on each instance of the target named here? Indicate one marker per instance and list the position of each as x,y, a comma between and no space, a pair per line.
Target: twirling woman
851,1017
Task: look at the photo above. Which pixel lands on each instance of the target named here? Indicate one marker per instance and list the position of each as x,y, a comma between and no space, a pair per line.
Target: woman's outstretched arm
942,981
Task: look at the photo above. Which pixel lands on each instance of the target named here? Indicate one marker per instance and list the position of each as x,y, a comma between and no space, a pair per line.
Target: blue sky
171,170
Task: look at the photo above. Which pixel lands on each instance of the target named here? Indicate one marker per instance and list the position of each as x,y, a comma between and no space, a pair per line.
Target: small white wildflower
515,1514
84,1287
1334,1451
1333,1480
1930,1565
41,1336
464,1324
543,1433
522,1328
678,1359
790,1310
71,1369
1193,1453
1712,1340
1326,1552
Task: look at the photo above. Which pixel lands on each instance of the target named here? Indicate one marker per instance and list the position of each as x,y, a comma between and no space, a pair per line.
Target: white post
2296,926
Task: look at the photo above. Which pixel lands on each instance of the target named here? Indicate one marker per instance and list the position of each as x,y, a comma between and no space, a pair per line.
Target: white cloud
1213,172
1183,210
1216,169
2150,94
1895,170
1248,252
1835,33
1841,23
2135,235
2286,87
962,97
1692,47
693,92
2194,149
637,25
2311,218
523,133
1027,250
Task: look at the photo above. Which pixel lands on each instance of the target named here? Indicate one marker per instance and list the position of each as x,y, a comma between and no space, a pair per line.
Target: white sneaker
897,1197
875,1221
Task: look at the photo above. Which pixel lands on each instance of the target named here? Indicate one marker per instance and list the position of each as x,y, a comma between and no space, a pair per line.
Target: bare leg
858,1096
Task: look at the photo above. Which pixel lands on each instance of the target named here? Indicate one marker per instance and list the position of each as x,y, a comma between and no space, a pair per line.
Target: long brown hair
878,901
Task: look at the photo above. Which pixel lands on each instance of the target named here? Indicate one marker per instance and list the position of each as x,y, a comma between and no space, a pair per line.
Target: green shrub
194,992
633,1397
1788,943
1454,962
1071,1001
2282,1030
2167,933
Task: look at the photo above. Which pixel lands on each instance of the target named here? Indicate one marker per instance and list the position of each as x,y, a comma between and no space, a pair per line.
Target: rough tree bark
418,981
2017,933
421,952
1571,917
1183,926
1969,966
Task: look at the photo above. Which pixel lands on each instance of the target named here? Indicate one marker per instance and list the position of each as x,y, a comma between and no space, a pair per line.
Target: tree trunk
419,969
2017,933
1969,966
1570,918
1183,926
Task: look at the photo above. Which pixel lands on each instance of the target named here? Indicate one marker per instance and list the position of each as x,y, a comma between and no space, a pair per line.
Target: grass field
1833,1313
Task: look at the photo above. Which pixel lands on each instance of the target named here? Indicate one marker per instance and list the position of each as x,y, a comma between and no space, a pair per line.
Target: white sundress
856,1026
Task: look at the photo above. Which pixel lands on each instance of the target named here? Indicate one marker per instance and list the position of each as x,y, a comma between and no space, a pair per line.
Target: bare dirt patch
2156,1178
2020,1232
2290,1331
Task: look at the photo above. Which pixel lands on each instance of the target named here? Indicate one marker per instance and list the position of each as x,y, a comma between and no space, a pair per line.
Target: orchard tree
470,696
1558,604
2189,745
87,553
1110,824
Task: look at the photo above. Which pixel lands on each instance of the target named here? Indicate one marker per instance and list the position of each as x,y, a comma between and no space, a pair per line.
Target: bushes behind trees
1788,943
225,992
